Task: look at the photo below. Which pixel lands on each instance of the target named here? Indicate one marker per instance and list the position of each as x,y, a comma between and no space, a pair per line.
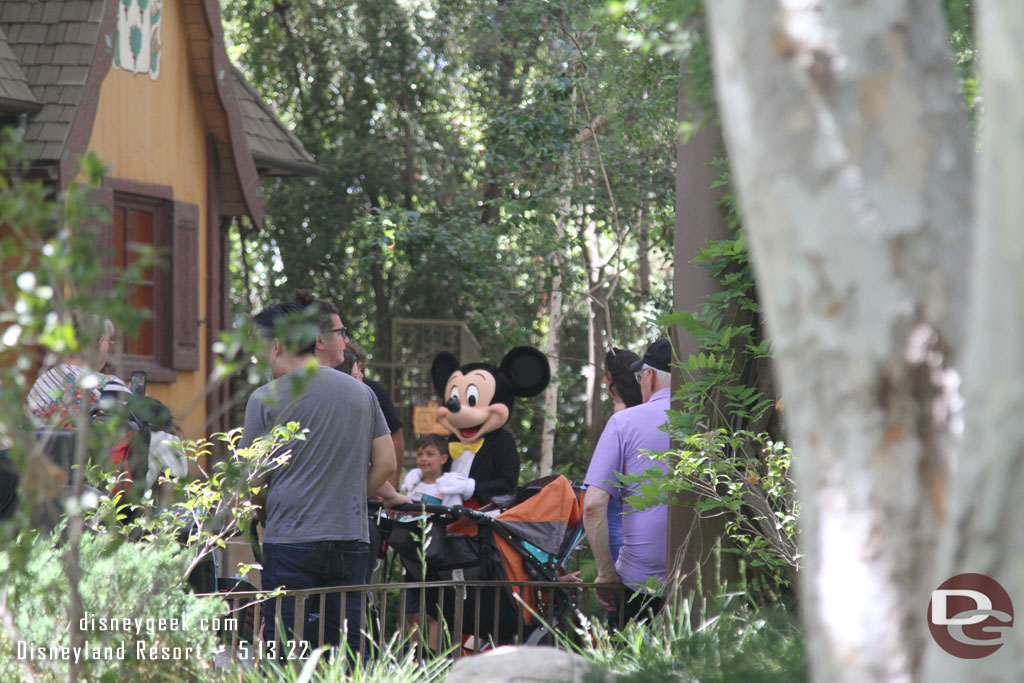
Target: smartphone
138,383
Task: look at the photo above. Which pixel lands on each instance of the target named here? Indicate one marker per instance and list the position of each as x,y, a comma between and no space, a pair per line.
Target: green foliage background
448,132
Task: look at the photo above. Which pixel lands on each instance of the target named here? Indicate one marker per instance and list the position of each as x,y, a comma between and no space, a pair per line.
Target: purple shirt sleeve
607,460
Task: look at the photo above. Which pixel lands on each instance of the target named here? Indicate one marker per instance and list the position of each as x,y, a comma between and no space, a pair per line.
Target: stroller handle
448,510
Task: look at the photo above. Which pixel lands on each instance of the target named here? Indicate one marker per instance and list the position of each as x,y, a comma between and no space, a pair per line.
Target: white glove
412,478
455,483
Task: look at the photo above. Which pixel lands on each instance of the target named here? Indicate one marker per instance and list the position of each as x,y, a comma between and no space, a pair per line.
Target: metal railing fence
460,617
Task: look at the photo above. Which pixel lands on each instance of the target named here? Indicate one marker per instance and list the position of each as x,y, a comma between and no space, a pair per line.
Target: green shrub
120,580
735,641
745,477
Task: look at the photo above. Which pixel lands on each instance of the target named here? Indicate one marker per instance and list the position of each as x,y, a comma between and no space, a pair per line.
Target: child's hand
574,577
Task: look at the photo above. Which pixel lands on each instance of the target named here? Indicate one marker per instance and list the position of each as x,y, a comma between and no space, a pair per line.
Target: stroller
527,536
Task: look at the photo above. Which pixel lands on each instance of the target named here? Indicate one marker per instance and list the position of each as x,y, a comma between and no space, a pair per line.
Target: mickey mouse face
468,411
478,396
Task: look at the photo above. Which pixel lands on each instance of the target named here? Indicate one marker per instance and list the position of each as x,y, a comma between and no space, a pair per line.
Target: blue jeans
317,564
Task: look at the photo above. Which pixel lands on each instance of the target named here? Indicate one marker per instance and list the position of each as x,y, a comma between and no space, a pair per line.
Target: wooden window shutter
185,287
100,228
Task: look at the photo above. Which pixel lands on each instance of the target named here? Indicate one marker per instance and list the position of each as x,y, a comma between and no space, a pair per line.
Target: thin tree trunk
409,172
984,534
643,254
76,525
552,343
599,290
596,318
597,329
852,158
508,98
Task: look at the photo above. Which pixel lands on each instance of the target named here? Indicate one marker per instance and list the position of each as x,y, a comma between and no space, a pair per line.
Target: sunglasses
343,331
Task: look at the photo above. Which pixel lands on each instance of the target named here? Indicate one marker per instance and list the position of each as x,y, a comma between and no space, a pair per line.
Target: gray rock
525,665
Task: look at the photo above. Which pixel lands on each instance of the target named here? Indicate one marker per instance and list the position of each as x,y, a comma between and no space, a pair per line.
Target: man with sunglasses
332,337
620,451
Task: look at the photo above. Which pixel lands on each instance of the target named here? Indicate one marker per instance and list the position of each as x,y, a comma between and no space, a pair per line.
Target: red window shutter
185,287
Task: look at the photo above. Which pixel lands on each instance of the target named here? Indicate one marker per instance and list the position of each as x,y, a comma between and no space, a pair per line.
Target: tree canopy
449,133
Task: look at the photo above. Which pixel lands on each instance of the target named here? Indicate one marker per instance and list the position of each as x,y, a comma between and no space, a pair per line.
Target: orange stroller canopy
541,523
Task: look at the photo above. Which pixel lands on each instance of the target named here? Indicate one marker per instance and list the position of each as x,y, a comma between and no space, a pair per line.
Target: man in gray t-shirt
315,505
320,495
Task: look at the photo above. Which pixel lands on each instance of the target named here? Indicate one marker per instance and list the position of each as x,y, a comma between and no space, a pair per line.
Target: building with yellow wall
147,85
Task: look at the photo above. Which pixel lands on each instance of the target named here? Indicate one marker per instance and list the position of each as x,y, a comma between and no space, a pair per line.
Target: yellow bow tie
457,448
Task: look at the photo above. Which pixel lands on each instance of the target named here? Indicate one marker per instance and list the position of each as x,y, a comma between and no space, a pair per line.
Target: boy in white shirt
421,481
421,485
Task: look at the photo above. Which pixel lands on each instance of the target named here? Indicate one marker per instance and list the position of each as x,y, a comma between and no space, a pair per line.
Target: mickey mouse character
478,400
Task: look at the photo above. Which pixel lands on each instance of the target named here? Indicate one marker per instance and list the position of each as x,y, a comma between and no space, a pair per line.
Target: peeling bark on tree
852,158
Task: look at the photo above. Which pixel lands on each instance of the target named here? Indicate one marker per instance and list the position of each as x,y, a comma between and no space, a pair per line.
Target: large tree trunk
852,159
691,539
985,534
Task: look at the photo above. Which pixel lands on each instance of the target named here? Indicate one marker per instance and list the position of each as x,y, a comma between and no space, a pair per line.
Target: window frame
159,200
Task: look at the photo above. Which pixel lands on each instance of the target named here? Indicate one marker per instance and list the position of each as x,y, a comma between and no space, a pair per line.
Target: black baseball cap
658,356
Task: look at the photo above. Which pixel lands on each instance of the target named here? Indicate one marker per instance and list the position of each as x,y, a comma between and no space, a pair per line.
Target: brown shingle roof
53,41
275,149
51,55
16,96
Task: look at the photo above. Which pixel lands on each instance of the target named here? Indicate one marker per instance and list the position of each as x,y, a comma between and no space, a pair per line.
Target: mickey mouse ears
444,366
527,370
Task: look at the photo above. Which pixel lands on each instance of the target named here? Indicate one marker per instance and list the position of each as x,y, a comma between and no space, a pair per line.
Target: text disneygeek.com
141,640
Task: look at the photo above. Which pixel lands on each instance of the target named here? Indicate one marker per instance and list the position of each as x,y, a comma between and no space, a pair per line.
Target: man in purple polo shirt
619,452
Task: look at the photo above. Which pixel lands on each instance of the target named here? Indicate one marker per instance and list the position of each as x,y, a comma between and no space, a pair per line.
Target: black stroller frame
491,603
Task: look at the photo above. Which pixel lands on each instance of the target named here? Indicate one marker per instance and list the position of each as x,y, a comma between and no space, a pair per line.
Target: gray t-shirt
320,495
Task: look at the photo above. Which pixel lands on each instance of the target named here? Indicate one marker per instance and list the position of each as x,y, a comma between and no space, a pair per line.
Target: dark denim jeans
315,565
